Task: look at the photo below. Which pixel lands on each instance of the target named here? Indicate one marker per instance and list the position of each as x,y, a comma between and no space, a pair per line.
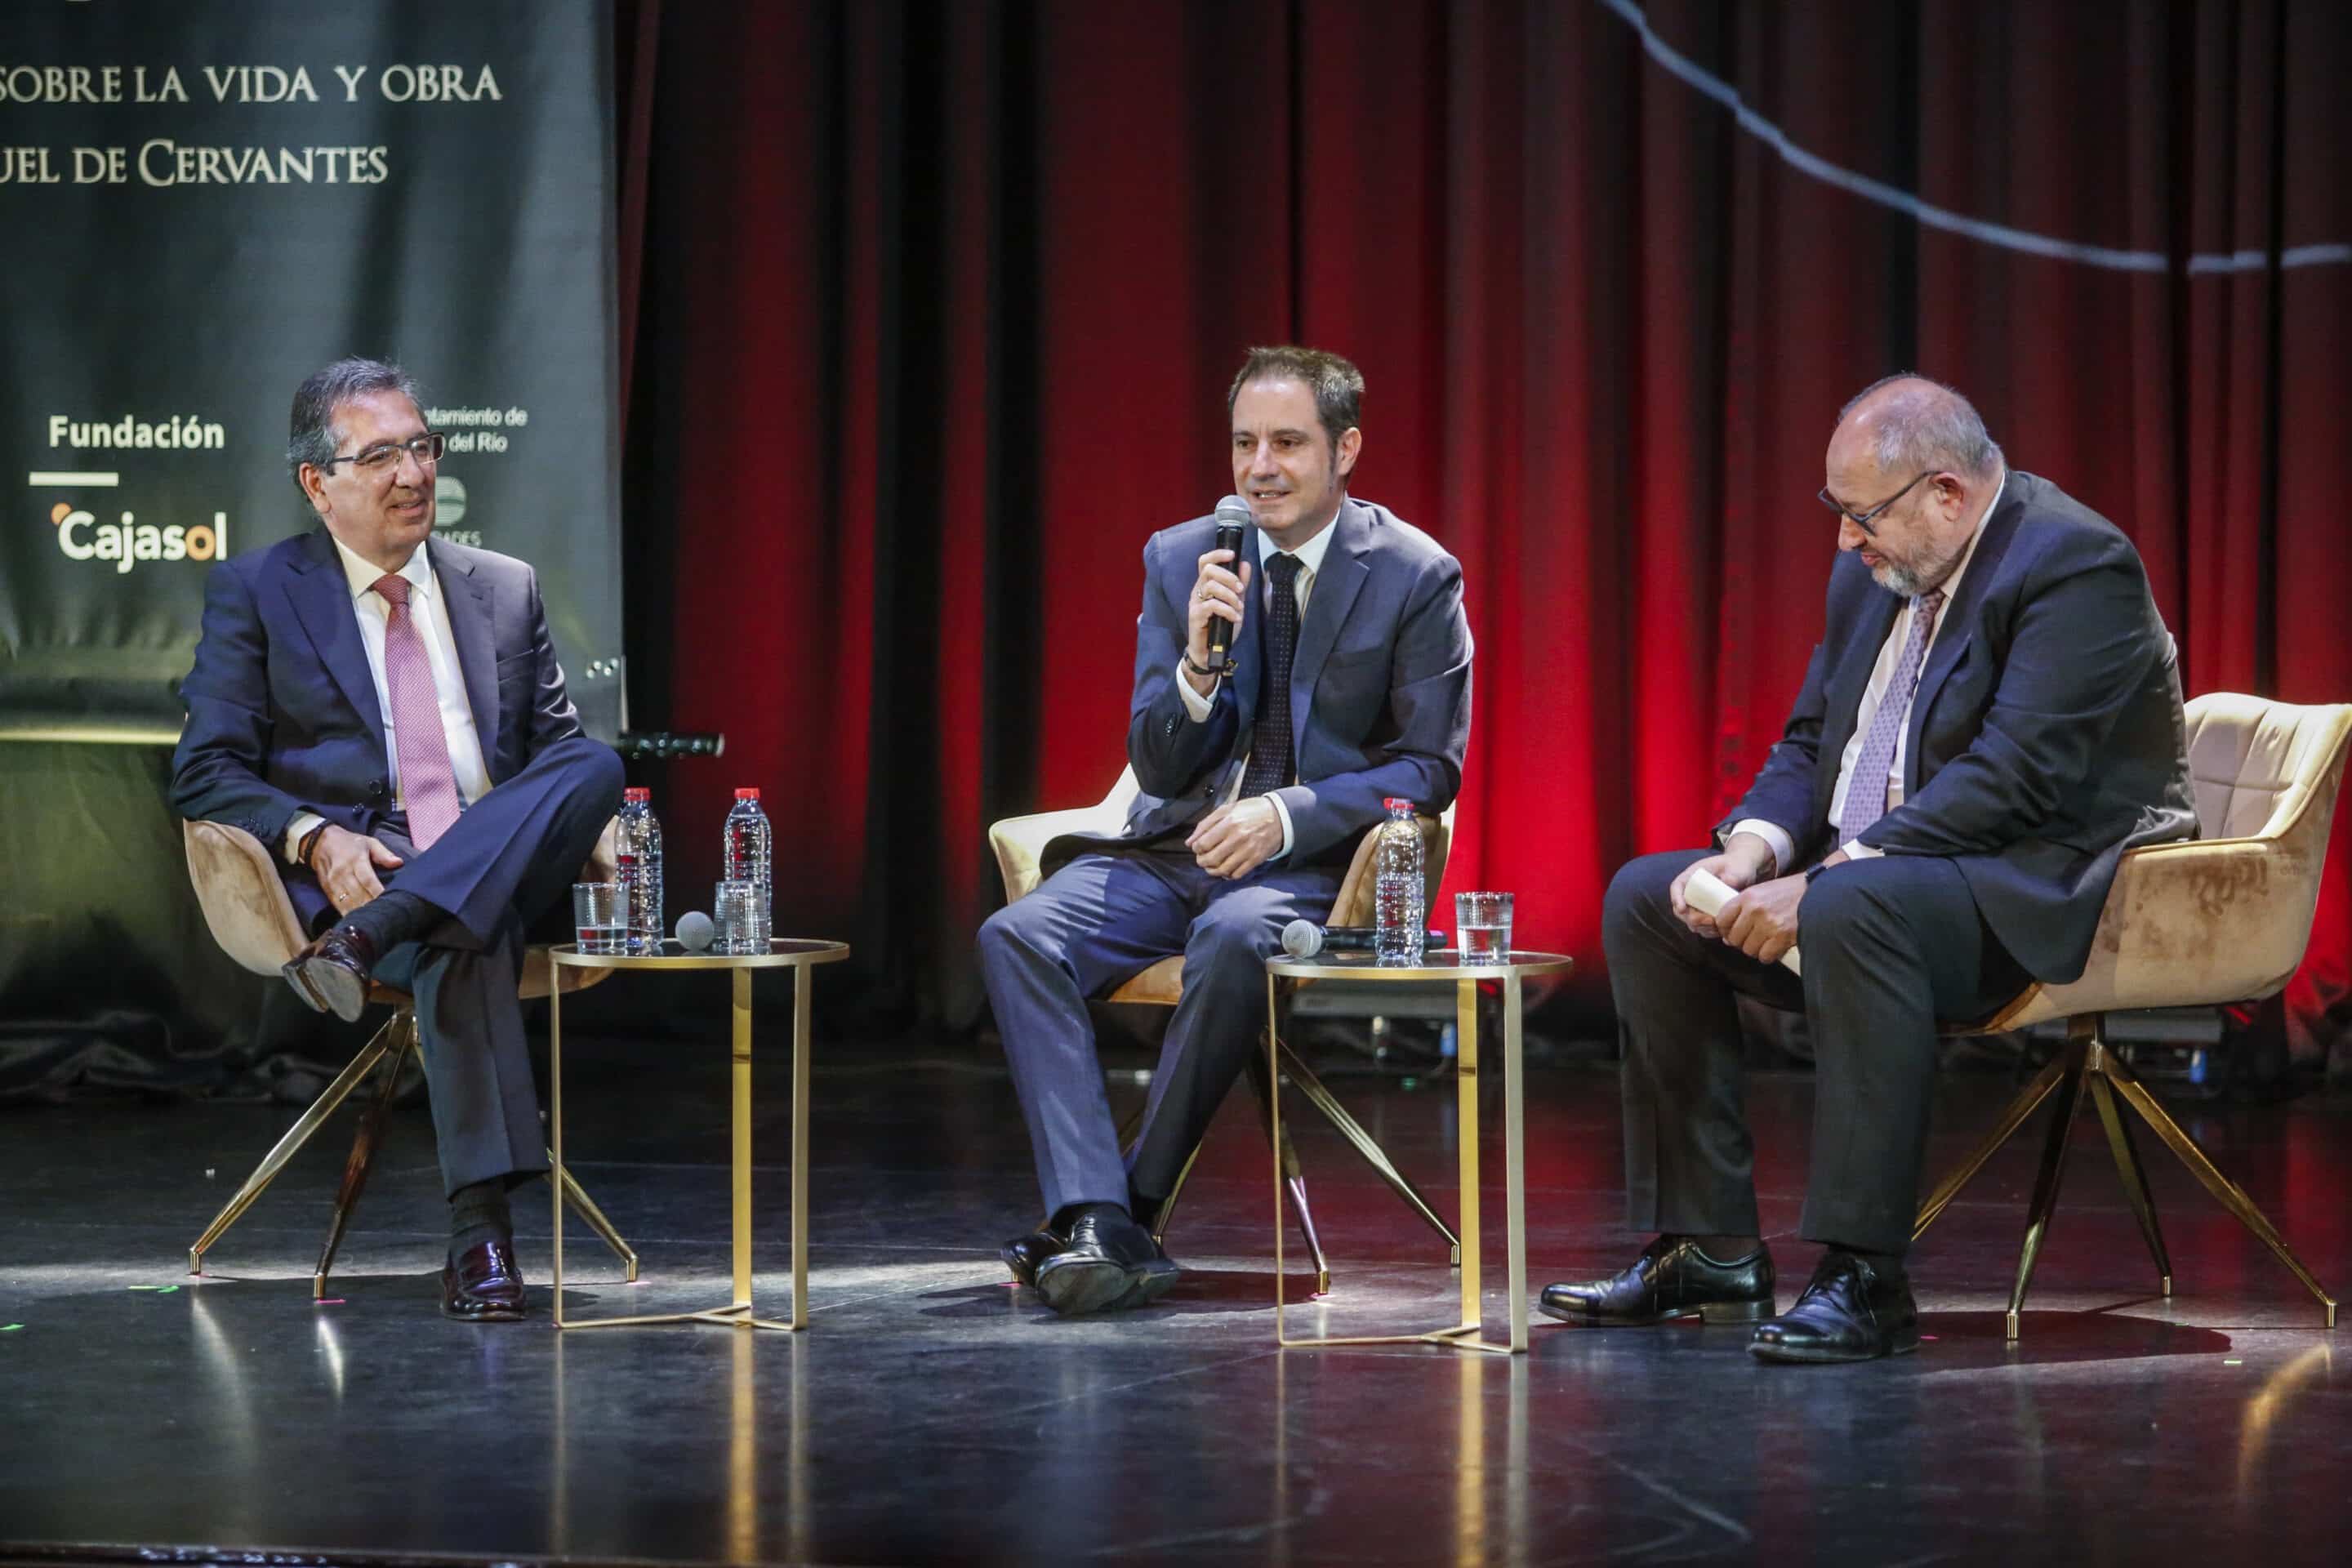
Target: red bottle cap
637,793
1394,801
747,795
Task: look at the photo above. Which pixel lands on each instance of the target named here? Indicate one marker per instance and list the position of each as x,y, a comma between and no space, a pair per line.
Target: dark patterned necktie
1269,761
428,782
1866,792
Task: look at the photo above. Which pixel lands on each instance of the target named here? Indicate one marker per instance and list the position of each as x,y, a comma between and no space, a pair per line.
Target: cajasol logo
82,537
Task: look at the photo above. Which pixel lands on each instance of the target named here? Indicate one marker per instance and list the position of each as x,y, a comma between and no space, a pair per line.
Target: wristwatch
1815,869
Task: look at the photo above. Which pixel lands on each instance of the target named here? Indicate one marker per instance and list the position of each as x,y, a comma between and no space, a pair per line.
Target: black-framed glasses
1861,520
384,455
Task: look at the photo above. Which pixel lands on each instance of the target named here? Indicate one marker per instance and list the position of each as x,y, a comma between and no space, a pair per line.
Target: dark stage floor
932,1414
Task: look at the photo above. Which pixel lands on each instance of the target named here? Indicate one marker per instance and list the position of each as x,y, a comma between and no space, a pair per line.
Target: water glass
600,917
735,915
1482,927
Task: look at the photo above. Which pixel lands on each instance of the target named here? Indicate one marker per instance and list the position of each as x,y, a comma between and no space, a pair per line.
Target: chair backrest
2226,918
244,902
2262,768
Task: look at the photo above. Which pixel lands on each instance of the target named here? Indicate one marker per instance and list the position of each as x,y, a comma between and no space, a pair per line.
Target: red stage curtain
938,304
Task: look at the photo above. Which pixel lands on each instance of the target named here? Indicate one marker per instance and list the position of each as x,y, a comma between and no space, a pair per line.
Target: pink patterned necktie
1866,792
427,781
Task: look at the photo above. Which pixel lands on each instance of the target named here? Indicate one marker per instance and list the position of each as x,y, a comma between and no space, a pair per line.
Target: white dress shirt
430,612
1309,557
1882,676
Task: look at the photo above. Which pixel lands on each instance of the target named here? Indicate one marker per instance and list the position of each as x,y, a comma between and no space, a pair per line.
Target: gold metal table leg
1515,1160
803,983
740,1159
737,1313
1466,1333
1465,1099
555,1117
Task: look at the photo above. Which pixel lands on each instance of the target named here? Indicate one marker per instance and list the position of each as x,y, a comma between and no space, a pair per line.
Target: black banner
203,203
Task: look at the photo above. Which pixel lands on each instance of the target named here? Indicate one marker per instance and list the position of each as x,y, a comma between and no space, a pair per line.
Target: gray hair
311,435
1339,386
1926,427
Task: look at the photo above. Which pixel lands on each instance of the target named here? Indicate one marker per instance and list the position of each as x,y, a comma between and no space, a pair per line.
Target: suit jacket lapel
1342,577
1958,629
322,597
468,600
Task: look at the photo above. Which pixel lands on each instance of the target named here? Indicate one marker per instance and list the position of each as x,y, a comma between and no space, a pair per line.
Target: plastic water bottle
641,869
744,857
1398,894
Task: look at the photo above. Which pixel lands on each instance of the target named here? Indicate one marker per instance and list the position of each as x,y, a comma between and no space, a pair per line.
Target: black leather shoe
332,974
1025,1254
1848,1312
482,1284
1110,1263
1672,1280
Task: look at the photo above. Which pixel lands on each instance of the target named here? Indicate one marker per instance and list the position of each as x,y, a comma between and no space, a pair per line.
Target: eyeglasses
1861,520
384,455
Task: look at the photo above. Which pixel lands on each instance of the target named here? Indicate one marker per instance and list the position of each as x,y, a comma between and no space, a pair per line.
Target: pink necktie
427,781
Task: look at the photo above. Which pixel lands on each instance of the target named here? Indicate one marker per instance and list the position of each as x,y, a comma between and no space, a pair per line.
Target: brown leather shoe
332,974
483,1284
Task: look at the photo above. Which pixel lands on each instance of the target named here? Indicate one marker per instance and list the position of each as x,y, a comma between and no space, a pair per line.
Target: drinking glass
600,917
735,912
1482,927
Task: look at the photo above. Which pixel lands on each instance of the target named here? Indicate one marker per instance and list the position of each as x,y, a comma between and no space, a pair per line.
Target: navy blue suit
2046,737
1380,700
284,717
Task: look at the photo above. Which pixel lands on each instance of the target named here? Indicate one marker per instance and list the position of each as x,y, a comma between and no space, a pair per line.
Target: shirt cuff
1283,812
1858,850
1784,849
1197,706
304,822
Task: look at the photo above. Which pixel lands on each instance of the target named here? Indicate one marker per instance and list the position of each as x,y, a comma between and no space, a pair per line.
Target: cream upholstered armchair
247,911
1020,843
2222,919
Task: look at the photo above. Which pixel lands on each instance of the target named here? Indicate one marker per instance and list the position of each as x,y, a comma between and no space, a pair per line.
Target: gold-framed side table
798,955
1442,966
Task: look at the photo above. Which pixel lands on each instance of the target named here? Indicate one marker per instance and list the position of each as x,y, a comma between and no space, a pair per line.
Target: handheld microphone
1305,939
1233,519
694,931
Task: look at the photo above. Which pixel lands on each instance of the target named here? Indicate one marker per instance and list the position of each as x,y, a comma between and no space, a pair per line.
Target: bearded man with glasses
389,715
1992,718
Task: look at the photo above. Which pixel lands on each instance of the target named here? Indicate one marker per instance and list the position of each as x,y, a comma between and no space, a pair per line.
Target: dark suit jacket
283,715
2046,737
1380,688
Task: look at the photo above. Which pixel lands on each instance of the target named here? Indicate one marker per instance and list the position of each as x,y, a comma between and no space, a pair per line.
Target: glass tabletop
783,953
1439,963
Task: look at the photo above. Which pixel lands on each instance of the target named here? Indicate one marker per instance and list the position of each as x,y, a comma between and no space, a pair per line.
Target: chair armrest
1354,906
603,862
2199,923
1020,841
244,900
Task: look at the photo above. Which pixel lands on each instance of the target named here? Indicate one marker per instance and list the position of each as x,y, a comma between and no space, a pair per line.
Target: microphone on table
1233,519
1305,939
694,931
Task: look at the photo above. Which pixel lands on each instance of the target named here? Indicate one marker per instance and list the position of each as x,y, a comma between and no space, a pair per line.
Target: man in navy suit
389,716
1350,684
1992,717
